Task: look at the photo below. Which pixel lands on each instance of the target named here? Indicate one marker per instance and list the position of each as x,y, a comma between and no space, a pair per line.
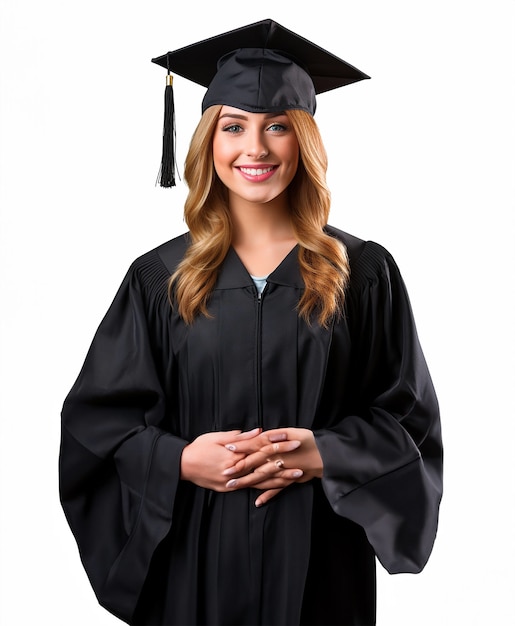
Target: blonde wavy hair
323,259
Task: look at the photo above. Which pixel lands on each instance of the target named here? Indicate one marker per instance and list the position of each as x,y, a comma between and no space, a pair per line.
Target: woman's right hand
204,460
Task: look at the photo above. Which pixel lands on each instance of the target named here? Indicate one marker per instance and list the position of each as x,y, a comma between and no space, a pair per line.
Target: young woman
255,422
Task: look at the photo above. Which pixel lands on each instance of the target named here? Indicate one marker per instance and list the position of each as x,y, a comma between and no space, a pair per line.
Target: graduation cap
260,68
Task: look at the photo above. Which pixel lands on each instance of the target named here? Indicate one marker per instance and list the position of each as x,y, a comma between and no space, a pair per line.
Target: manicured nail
229,471
231,483
258,503
297,473
231,447
278,437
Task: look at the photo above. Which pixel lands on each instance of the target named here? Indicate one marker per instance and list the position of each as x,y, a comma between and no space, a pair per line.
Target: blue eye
277,127
232,128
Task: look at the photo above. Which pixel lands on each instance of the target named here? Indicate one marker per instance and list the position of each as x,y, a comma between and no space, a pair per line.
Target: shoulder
367,259
172,252
151,271
165,257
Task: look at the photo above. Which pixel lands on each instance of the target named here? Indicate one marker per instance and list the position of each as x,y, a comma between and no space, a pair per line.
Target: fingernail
229,471
258,503
231,447
277,437
297,473
231,483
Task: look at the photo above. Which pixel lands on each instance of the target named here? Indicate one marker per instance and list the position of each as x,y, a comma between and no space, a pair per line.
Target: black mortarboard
262,67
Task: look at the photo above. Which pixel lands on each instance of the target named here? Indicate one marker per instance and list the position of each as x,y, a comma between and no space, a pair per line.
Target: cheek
223,154
291,151
292,156
296,160
221,164
216,151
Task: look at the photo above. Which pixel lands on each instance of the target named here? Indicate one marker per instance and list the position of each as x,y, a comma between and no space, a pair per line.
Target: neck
262,234
255,222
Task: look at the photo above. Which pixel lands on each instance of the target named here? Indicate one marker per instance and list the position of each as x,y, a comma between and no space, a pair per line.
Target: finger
230,442
227,435
266,496
268,469
249,434
263,446
265,480
277,435
246,465
280,448
257,483
260,457
237,468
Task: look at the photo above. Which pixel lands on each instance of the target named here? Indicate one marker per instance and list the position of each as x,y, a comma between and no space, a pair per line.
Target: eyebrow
239,116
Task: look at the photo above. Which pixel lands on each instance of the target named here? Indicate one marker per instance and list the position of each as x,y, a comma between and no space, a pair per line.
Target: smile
258,174
252,171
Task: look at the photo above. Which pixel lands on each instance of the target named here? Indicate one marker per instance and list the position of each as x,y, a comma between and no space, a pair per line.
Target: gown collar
233,274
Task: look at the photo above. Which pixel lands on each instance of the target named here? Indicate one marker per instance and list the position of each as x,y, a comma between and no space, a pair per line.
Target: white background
421,160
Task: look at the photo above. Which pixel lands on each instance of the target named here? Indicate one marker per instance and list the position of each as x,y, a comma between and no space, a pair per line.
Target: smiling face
255,154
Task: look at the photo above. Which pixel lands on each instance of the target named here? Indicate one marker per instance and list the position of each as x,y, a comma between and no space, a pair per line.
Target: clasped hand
269,460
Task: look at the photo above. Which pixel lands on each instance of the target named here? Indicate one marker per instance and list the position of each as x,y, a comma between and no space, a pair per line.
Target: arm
383,459
119,467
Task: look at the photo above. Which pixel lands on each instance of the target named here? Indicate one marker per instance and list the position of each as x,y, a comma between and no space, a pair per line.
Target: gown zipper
257,515
259,343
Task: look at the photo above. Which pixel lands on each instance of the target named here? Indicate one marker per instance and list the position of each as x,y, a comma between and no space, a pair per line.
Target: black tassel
167,171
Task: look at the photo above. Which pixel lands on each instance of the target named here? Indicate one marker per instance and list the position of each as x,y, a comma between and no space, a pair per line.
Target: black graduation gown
159,550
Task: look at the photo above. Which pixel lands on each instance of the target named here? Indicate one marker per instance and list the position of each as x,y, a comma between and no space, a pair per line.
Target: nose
256,146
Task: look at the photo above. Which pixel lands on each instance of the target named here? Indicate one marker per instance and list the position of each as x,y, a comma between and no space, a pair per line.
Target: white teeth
251,171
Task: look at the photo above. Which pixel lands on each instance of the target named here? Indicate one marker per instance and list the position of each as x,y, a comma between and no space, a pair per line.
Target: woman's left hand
274,460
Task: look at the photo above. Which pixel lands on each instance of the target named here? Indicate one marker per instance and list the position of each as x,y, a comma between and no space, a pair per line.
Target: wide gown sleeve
119,469
383,461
